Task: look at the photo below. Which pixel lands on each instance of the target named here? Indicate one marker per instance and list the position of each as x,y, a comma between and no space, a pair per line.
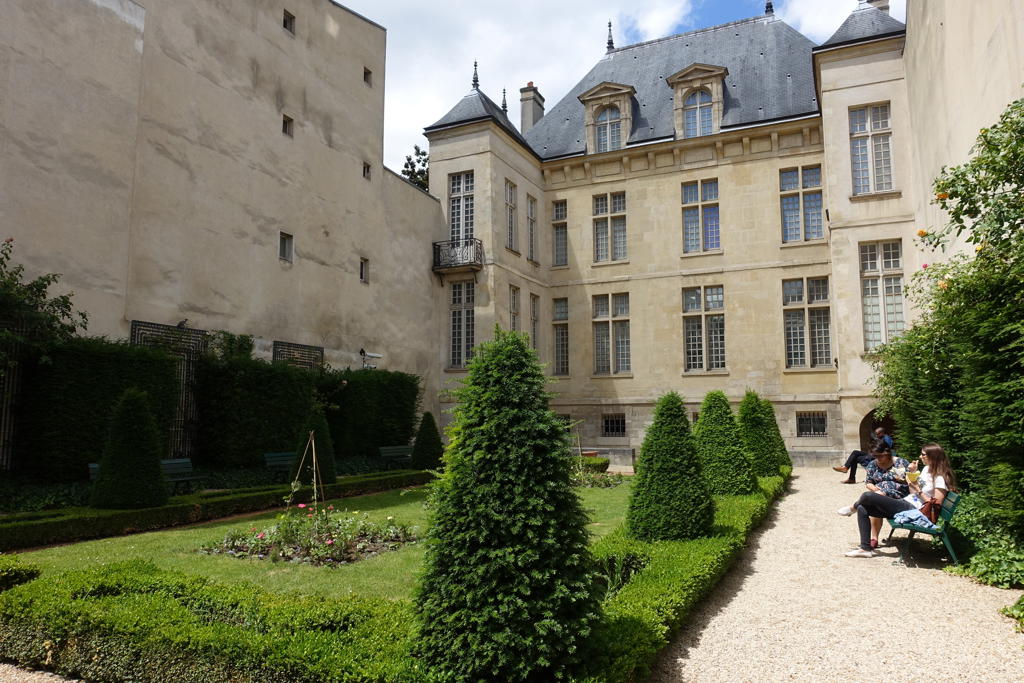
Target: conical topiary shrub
508,590
671,500
723,456
778,445
324,451
427,451
757,435
130,476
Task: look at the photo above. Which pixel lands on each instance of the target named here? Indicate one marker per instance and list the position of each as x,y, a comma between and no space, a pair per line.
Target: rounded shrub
428,449
303,467
130,476
671,500
778,444
723,457
757,435
508,591
590,463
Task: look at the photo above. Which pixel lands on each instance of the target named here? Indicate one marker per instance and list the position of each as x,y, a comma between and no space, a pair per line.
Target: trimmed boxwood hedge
67,403
591,464
370,409
131,621
640,618
73,524
14,573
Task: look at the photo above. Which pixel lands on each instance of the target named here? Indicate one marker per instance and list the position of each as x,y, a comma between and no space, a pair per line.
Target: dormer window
697,114
609,130
699,99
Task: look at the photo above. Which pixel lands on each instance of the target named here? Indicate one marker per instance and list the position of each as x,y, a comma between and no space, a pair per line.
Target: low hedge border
74,524
131,621
14,573
592,464
642,616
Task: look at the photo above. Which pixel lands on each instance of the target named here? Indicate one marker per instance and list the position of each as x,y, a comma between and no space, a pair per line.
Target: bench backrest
949,504
272,459
168,467
395,451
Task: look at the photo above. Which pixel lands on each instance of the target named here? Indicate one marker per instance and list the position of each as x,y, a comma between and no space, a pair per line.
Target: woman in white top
936,479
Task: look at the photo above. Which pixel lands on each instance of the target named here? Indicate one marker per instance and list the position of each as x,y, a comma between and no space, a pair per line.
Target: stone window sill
803,243
873,196
617,375
602,264
704,373
709,252
798,371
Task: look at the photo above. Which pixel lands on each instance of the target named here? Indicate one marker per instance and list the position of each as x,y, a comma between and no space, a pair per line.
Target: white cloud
432,46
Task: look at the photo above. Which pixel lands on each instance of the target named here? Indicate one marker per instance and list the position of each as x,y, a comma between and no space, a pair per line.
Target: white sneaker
859,552
846,511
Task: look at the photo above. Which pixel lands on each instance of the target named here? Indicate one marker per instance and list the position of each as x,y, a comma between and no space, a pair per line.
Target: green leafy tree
757,435
31,321
778,444
427,450
417,168
130,476
722,451
508,588
303,468
671,500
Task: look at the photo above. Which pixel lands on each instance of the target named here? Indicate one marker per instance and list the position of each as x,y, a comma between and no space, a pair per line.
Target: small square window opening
287,125
613,425
285,247
288,22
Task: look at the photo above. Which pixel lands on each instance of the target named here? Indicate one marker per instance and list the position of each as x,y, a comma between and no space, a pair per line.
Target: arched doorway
868,425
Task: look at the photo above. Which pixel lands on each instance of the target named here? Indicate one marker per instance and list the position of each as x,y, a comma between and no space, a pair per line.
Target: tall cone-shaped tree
757,435
316,423
426,452
778,445
671,500
508,592
130,476
723,457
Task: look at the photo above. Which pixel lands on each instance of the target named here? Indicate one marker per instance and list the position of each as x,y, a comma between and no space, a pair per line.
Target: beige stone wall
965,63
150,167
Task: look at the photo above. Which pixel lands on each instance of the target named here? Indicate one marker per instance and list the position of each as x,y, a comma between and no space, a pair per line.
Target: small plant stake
317,480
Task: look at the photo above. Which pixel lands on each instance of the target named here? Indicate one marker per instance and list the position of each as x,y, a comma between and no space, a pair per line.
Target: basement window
288,22
811,424
288,126
613,425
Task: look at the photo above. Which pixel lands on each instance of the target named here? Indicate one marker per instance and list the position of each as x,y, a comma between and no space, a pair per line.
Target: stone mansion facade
731,208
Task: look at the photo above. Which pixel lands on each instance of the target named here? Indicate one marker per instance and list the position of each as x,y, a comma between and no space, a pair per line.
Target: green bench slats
175,470
280,463
396,456
949,504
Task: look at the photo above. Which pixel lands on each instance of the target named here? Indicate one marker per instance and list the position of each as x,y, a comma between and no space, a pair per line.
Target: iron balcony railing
461,254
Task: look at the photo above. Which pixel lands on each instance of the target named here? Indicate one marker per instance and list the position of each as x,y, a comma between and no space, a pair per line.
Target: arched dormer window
609,130
697,114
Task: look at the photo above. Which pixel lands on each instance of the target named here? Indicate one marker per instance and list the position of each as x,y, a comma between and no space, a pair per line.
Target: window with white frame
559,234
800,199
531,228
613,425
697,114
807,322
560,334
513,307
609,130
704,328
611,334
511,219
610,227
463,332
814,423
534,320
460,205
701,230
871,149
881,292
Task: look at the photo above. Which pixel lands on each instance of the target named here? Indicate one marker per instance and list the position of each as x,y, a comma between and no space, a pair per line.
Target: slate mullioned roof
770,77
864,23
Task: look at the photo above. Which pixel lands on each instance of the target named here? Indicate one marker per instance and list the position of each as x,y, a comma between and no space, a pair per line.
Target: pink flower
8,240
302,505
329,541
924,265
330,507
310,514
261,535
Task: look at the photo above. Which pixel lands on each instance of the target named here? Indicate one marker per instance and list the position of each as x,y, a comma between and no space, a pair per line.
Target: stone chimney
531,107
880,5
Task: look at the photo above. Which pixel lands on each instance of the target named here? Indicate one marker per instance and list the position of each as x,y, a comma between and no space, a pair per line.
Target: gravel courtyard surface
793,608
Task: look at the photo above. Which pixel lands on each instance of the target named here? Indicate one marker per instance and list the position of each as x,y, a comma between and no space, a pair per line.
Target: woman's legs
876,526
872,504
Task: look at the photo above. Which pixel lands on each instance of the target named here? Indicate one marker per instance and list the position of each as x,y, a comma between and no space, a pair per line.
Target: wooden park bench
949,504
396,456
280,463
176,471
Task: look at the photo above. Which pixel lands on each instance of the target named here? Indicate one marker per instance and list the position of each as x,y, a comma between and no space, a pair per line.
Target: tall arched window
697,114
609,127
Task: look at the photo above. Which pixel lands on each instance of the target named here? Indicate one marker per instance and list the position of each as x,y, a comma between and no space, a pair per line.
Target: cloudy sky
432,45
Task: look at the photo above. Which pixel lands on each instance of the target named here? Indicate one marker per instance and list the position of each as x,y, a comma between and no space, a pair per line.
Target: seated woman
936,479
887,475
879,439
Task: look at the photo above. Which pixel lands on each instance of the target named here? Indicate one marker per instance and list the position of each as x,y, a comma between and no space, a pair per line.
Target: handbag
931,510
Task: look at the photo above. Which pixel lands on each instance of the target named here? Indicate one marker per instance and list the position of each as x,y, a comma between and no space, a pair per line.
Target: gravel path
793,608
12,674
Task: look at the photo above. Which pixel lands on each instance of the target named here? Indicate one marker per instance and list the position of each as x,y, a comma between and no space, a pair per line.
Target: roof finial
611,43
769,8
476,78
504,102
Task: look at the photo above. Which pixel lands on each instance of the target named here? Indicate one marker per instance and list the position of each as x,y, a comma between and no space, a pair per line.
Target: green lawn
387,575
